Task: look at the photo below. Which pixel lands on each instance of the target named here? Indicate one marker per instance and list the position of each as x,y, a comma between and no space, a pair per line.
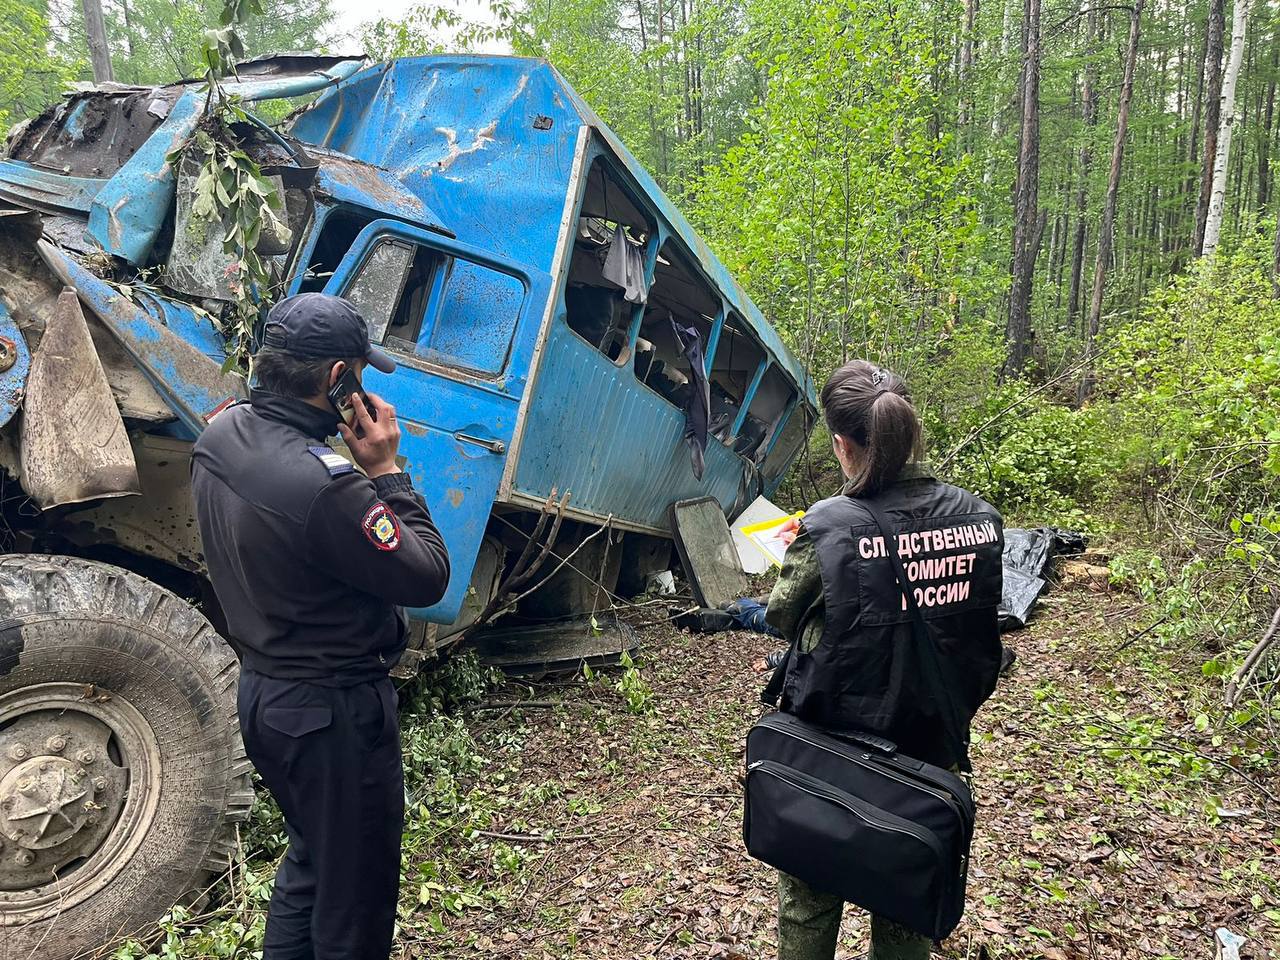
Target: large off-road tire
121,767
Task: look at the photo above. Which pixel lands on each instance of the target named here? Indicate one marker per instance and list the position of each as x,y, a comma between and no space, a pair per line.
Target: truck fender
74,444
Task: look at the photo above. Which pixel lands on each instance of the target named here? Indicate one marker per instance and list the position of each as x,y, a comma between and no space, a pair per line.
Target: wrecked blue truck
540,295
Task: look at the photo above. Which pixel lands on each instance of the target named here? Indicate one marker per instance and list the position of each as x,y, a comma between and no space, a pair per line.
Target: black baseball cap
321,326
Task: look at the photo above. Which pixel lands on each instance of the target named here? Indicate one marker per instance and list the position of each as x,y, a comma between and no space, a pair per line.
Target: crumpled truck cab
554,318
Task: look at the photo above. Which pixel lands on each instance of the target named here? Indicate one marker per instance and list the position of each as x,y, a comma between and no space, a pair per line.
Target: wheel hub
60,792
44,801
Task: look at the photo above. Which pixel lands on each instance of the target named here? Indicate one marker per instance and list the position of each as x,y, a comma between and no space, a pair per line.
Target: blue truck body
482,189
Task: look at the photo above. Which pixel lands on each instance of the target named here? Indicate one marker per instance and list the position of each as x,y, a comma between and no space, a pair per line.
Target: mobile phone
340,395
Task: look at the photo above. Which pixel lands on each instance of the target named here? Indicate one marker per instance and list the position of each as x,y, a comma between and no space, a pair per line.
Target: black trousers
331,758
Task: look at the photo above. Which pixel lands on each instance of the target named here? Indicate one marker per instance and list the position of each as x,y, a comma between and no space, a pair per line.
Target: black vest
864,674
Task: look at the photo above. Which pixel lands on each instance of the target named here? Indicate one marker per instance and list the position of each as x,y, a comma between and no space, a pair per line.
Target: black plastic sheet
1027,555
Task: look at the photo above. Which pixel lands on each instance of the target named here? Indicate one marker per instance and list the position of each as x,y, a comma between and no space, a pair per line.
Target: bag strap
773,689
956,731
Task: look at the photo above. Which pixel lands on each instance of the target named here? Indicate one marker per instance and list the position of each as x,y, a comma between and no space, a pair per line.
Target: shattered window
612,233
738,357
772,398
679,293
377,287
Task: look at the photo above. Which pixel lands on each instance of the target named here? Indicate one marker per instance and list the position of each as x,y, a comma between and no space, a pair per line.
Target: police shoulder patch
335,463
381,527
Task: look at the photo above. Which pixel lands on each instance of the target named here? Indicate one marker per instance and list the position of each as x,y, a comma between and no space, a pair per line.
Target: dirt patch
1109,824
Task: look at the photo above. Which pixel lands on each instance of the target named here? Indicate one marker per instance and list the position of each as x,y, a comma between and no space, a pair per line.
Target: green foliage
33,68
1194,383
1044,461
231,192
158,41
634,688
422,30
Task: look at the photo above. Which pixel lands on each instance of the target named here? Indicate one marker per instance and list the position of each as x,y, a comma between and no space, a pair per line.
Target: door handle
493,446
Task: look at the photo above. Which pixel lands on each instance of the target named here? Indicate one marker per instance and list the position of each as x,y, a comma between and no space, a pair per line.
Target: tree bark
1107,229
967,55
1027,224
1264,141
1217,197
1089,114
96,31
1212,117
1267,117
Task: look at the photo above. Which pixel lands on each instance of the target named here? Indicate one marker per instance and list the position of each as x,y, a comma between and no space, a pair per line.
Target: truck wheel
121,768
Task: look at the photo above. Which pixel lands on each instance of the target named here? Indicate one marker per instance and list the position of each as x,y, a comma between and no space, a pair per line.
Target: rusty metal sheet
74,445
161,523
191,383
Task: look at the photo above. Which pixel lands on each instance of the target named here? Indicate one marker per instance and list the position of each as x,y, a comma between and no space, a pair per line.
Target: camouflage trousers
809,925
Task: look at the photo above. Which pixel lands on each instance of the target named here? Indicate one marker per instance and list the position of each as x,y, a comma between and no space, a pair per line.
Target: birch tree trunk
1212,117
1213,222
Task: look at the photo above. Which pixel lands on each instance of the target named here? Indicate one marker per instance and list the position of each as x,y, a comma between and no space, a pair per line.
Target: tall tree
95,29
1212,115
1089,119
1028,221
1217,198
1107,230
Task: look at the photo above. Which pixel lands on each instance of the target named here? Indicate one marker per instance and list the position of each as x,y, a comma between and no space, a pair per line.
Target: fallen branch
1244,673
508,704
533,838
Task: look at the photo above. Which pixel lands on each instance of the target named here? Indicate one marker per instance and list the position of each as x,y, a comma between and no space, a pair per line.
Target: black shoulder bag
851,816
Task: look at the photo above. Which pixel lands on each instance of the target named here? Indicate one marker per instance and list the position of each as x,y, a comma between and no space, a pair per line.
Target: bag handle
928,654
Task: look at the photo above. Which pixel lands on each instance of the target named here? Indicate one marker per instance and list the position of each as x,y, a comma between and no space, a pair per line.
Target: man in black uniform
309,560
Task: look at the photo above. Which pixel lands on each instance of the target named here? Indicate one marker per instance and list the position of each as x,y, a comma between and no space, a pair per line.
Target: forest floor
603,822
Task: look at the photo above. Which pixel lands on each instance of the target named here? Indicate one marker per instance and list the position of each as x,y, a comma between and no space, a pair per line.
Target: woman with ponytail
852,663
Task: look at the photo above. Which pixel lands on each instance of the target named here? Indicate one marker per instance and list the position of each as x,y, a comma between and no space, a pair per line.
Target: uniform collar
314,422
912,470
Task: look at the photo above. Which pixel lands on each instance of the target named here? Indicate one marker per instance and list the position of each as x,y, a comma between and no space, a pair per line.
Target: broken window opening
391,290
772,399
678,293
733,370
597,308
338,231
791,436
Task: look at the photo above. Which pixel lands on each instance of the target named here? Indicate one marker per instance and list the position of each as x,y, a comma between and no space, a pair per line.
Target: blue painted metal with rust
14,377
491,144
479,162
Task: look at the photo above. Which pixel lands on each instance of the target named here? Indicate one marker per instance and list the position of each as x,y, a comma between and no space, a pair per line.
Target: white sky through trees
351,15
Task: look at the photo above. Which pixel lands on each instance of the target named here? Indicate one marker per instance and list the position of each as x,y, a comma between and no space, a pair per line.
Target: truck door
460,323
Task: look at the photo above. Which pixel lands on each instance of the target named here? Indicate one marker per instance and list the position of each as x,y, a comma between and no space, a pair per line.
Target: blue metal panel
466,134
456,426
44,190
189,381
131,208
14,379
614,444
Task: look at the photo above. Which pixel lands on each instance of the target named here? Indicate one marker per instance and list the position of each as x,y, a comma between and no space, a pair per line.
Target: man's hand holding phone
373,443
